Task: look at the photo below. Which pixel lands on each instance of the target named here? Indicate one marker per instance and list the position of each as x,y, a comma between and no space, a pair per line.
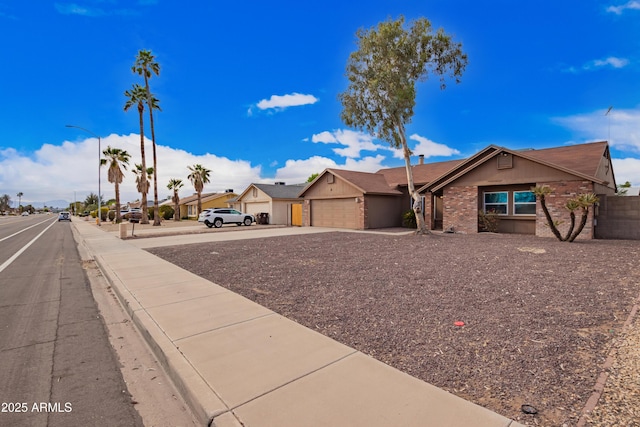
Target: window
524,203
496,202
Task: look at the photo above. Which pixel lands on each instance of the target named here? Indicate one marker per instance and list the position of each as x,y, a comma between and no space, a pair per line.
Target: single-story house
189,205
279,201
495,179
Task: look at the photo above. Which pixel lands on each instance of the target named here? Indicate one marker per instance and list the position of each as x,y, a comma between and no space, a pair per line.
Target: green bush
409,219
166,212
105,213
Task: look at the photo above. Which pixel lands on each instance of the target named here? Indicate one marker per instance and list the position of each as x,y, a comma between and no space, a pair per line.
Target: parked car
132,215
204,214
217,217
64,216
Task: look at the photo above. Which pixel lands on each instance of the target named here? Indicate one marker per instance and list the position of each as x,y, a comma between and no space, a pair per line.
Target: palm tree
142,184
117,160
147,66
175,185
137,96
20,194
199,176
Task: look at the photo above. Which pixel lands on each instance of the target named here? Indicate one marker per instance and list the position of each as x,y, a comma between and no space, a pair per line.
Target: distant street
57,367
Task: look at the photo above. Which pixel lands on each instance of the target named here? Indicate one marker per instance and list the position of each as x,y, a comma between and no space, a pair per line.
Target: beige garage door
339,213
257,207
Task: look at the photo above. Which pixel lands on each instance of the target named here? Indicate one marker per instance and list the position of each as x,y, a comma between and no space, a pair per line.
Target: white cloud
58,171
613,61
353,142
629,5
298,171
627,170
428,148
598,64
280,102
622,125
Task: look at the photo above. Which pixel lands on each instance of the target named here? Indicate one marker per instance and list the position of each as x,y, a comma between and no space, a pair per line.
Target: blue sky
249,89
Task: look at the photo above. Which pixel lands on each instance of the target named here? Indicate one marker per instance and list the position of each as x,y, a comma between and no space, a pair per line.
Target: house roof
368,183
205,197
422,174
581,160
280,191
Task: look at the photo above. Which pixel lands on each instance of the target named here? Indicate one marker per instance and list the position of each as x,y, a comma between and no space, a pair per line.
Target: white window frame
523,203
505,204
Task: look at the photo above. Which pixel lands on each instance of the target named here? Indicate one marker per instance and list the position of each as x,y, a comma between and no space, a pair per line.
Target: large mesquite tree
382,75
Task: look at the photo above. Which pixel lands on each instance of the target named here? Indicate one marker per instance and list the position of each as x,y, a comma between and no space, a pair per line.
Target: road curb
200,397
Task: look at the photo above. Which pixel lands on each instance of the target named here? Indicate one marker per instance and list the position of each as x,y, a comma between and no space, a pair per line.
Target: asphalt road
57,367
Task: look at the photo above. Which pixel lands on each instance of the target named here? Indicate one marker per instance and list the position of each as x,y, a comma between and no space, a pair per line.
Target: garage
256,207
338,213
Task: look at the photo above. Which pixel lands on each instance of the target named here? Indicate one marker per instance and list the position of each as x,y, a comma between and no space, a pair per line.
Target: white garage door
338,213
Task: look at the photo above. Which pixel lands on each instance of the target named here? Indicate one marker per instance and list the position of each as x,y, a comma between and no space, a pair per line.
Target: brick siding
556,201
460,210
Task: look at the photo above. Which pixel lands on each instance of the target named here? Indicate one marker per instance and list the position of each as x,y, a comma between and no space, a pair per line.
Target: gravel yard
540,316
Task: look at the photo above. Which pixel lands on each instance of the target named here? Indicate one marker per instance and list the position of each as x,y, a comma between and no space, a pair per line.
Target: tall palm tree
20,194
147,66
138,96
199,176
175,185
116,160
142,184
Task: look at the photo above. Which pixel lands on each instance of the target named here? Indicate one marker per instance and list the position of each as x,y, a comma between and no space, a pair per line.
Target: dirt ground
540,316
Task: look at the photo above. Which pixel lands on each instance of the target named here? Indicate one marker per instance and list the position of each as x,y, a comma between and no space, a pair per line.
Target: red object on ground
458,323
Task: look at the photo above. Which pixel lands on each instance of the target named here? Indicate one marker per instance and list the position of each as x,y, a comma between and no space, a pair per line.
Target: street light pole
99,153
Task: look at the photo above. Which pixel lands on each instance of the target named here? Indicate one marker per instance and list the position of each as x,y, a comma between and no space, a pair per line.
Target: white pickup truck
218,216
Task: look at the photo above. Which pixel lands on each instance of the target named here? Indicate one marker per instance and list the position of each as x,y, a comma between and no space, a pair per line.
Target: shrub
409,219
488,221
166,212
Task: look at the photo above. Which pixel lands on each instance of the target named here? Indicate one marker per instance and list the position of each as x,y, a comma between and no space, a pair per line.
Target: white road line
24,229
24,248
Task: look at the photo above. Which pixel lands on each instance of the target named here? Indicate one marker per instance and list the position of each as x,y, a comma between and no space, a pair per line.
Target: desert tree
5,203
146,66
199,176
175,185
116,161
383,73
580,201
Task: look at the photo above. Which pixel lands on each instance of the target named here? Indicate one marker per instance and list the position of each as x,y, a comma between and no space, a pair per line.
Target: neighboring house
628,191
189,205
279,200
495,179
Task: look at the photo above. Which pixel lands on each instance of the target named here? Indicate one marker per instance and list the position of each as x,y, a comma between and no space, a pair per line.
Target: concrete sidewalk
239,364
